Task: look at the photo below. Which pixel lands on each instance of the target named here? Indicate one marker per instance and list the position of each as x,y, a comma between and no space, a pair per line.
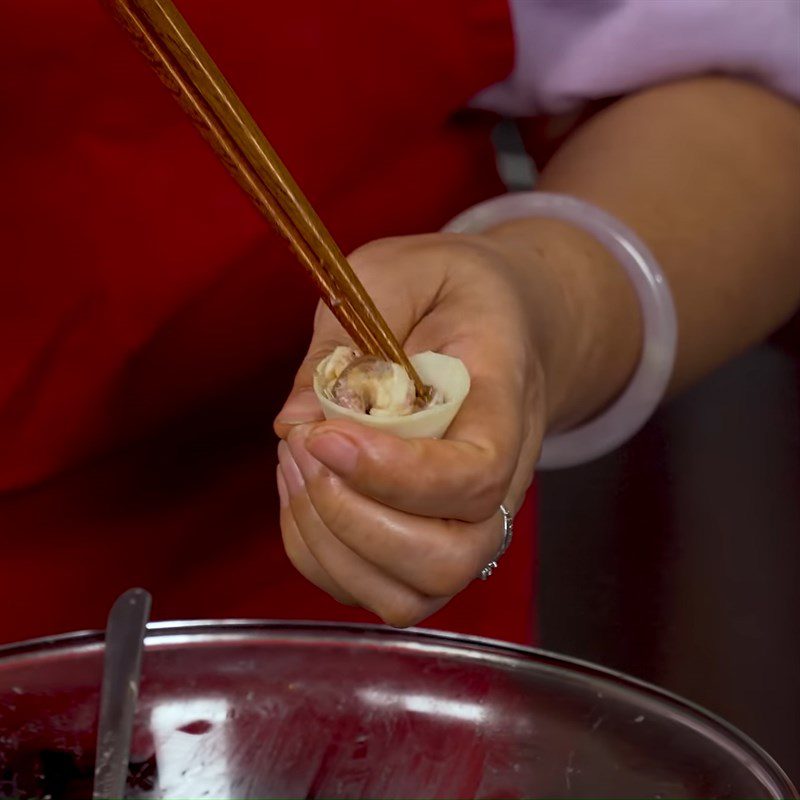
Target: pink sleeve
571,51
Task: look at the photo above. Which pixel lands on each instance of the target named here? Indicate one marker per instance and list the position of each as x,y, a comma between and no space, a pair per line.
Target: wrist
583,316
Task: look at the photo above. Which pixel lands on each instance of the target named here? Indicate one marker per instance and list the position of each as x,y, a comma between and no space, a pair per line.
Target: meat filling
368,385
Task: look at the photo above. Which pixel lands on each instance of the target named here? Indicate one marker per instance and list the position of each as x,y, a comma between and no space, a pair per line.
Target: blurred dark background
677,558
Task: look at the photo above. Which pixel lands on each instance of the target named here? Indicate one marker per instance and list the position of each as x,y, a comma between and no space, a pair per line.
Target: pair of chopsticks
185,67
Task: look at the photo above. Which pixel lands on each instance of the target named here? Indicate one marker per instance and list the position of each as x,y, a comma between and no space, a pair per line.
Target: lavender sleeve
572,51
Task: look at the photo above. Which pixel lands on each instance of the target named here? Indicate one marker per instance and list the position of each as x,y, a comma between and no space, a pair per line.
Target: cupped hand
401,526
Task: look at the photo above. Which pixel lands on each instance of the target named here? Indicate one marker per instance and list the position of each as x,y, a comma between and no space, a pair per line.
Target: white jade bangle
642,395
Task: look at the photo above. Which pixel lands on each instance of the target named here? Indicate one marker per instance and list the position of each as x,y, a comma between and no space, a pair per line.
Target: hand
400,526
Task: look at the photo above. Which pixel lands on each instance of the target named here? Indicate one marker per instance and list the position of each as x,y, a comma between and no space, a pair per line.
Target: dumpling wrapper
445,373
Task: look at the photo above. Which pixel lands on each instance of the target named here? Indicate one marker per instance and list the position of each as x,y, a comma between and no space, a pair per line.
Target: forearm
707,173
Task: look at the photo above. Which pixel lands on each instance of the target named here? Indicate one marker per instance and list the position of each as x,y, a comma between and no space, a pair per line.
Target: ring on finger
508,535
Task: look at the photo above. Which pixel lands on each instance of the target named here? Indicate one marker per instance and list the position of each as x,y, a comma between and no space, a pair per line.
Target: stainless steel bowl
242,709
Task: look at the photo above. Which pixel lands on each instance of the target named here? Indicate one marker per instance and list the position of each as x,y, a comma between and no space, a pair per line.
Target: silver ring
508,535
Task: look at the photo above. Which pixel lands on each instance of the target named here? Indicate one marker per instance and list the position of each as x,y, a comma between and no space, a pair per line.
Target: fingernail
300,407
308,465
335,450
283,492
291,472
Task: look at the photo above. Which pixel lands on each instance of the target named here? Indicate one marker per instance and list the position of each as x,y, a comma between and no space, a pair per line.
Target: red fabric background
150,321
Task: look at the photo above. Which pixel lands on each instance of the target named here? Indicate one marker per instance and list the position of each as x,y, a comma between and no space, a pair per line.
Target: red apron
151,322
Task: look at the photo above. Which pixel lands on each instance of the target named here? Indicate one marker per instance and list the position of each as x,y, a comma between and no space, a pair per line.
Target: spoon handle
122,665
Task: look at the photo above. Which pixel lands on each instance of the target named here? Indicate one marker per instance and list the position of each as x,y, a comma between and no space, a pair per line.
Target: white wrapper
445,373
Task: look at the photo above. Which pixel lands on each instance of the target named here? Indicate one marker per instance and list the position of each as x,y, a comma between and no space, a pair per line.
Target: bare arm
707,172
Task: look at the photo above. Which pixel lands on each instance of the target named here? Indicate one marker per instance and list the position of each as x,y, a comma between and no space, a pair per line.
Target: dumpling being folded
380,393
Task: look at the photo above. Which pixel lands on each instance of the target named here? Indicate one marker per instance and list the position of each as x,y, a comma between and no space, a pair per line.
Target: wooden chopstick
227,150
182,63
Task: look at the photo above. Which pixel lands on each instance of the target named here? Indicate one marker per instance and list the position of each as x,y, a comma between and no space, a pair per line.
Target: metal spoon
122,666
